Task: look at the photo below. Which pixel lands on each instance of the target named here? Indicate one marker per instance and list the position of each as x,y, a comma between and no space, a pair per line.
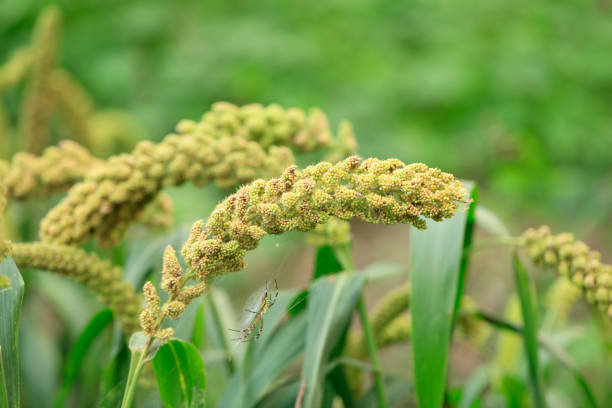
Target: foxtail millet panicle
16,67
74,104
274,125
173,281
38,102
55,170
113,194
334,232
376,191
104,204
99,275
574,260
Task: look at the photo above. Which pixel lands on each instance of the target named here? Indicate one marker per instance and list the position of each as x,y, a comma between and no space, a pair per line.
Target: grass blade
278,346
95,327
180,373
10,305
470,221
437,259
529,310
475,387
331,305
327,263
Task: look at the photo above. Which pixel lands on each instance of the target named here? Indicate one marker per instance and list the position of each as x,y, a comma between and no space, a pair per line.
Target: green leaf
91,332
437,257
10,306
326,262
3,392
467,246
474,387
526,293
332,301
280,351
113,377
267,357
490,222
180,373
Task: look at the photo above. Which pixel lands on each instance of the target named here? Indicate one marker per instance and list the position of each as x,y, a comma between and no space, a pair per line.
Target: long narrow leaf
95,327
278,346
436,258
327,263
3,392
467,245
530,335
332,301
10,306
180,373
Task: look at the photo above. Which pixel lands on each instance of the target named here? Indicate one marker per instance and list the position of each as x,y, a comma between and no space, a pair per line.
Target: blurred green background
516,95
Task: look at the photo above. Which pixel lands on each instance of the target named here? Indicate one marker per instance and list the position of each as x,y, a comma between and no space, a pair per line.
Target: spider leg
248,310
273,300
260,329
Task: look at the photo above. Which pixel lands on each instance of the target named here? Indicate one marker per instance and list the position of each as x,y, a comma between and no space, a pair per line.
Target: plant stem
138,357
344,255
137,361
496,242
373,352
222,338
547,344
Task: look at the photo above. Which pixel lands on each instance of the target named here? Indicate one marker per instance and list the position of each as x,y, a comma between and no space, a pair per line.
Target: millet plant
167,334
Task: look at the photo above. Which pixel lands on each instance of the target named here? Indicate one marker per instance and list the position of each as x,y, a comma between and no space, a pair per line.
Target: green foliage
180,373
529,309
78,352
438,269
10,306
332,301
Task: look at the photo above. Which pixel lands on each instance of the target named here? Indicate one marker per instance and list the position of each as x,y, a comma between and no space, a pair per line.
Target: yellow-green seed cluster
394,303
275,126
98,275
173,282
390,308
73,102
334,232
574,260
376,191
112,195
16,67
159,213
38,101
55,170
560,298
397,330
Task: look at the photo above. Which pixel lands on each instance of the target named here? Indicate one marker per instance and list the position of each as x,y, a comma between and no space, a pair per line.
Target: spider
263,301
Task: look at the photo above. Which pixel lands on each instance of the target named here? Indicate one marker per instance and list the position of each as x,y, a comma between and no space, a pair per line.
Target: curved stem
547,344
137,361
138,357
